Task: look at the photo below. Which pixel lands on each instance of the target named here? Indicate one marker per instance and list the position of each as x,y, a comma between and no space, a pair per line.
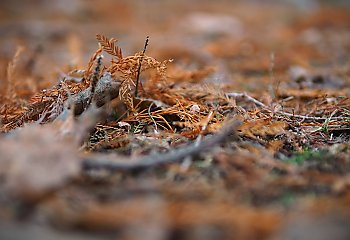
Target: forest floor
238,127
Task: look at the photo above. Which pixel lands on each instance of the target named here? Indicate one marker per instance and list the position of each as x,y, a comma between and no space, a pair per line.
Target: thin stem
292,115
139,68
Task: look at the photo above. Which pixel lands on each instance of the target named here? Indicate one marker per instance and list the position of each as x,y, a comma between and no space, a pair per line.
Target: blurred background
238,38
233,36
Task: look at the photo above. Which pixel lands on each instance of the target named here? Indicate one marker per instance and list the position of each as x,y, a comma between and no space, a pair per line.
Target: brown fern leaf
109,46
125,91
129,65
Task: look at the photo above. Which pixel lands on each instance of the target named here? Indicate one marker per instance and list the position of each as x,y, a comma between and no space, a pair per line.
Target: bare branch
161,159
292,115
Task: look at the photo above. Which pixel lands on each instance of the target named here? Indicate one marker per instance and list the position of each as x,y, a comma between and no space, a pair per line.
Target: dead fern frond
53,110
126,70
109,46
11,92
125,91
129,65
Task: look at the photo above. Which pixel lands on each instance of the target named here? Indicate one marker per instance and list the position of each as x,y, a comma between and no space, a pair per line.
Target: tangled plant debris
230,140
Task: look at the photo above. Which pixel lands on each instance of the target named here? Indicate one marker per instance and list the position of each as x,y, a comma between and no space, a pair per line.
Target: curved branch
157,159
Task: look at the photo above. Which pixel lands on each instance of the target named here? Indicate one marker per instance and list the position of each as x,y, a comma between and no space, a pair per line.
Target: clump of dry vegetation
144,147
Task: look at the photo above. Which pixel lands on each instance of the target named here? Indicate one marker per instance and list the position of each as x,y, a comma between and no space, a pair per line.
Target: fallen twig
292,115
157,159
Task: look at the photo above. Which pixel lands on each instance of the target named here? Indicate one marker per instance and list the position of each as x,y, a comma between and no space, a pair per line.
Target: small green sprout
307,155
